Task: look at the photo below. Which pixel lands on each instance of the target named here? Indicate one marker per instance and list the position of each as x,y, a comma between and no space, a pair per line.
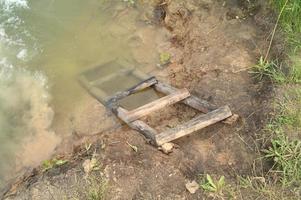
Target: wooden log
191,101
155,105
137,88
139,126
193,125
144,129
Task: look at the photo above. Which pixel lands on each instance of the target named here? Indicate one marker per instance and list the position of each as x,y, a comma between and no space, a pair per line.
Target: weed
295,72
217,188
271,70
49,164
254,187
285,150
290,20
286,155
213,186
97,189
289,111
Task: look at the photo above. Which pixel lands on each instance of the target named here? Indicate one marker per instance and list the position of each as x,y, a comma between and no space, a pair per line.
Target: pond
44,45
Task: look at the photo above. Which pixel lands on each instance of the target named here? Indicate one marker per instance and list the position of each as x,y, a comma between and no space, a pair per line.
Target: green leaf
221,182
60,162
210,181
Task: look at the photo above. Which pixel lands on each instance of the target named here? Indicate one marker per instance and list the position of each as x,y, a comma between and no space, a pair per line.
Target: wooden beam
139,126
191,101
193,125
145,130
155,105
137,88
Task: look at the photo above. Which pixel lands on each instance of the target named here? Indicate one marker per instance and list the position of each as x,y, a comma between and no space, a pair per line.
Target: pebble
192,186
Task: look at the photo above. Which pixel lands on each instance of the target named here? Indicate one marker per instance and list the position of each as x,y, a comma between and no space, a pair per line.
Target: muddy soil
213,46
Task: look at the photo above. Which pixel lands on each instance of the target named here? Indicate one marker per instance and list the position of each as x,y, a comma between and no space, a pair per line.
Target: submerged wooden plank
137,88
194,125
156,105
121,72
192,101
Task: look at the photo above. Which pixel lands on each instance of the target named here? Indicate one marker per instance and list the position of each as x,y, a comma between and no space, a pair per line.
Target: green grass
96,189
211,185
216,188
49,164
284,72
285,148
247,188
290,21
269,69
286,155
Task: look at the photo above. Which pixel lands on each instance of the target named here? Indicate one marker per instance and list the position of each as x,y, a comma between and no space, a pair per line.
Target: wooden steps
172,95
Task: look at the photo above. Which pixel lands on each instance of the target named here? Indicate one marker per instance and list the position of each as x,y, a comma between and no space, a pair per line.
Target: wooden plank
144,129
155,105
193,125
192,101
139,126
137,88
84,82
121,72
99,94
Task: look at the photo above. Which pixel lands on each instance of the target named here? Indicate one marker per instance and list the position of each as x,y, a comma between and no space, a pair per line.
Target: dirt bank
213,44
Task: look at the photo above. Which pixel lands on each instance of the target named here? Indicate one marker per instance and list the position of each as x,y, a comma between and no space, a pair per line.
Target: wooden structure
172,95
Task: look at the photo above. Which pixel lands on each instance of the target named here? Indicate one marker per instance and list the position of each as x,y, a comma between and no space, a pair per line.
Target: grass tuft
285,148
97,189
276,72
269,69
286,155
290,20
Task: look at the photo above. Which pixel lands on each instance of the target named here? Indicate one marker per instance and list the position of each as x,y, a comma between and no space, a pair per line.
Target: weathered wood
144,129
139,126
155,105
194,125
192,101
137,88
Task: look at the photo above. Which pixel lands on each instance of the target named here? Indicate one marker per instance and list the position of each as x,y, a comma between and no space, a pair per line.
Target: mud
213,46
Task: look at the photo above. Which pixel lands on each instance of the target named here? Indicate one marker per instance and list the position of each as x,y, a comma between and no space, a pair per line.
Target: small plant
295,72
96,189
165,58
49,164
211,185
286,155
290,20
269,69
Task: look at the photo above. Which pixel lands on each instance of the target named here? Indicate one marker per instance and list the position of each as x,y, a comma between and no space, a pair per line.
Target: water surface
44,45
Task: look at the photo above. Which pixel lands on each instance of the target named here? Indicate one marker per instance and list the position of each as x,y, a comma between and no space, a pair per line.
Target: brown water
59,40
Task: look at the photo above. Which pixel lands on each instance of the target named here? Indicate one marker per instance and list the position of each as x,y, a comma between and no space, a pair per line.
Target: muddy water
44,45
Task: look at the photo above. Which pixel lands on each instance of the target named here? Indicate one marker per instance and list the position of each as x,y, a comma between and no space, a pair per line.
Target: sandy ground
213,46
